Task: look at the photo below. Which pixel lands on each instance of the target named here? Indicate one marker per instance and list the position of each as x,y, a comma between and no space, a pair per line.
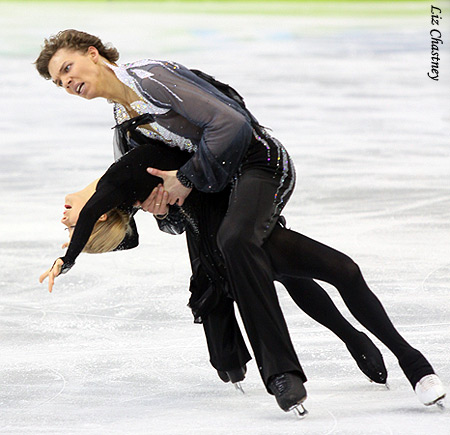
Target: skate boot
430,391
369,359
289,391
236,376
415,366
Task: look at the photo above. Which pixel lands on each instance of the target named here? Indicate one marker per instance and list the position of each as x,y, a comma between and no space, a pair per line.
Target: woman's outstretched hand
52,273
176,191
156,203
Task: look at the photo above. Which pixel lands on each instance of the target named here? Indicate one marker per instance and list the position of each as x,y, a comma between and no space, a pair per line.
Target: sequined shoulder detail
143,105
157,132
122,74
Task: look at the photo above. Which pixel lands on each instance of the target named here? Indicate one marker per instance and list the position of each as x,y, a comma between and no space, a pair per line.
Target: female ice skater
226,143
98,216
87,214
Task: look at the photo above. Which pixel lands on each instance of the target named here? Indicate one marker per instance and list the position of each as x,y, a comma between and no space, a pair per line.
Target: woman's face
78,73
74,202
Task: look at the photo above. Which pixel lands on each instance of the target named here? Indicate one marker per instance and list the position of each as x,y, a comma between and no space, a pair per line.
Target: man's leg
251,215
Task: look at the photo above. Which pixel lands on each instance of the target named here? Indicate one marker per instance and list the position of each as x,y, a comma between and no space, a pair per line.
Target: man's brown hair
72,40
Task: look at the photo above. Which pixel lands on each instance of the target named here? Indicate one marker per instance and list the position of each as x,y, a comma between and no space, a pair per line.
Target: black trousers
296,261
263,186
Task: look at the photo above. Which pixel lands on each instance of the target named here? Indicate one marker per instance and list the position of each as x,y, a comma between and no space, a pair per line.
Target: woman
127,181
96,227
227,143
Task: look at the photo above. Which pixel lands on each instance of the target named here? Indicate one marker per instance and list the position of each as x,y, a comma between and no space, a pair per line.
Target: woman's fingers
156,203
52,273
51,281
149,203
44,275
161,199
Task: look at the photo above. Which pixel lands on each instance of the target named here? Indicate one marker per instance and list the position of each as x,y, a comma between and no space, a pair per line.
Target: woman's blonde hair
107,234
72,40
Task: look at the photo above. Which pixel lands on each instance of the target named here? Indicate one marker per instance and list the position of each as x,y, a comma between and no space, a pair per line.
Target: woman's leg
293,254
227,349
315,302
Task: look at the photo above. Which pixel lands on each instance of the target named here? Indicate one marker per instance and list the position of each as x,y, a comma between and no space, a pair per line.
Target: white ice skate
430,391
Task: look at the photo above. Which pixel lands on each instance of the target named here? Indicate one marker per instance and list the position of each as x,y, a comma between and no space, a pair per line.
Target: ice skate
290,392
430,391
369,360
236,376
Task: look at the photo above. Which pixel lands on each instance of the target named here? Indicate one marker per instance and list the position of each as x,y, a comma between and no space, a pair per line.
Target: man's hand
177,193
52,273
156,203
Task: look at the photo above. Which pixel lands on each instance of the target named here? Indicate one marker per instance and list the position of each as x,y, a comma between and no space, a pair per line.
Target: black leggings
297,260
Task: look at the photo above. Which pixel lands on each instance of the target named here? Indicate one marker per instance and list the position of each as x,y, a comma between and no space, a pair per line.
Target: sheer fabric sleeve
104,199
226,132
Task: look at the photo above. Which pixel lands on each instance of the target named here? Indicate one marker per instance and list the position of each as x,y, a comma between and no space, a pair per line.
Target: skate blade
299,411
440,404
238,387
377,383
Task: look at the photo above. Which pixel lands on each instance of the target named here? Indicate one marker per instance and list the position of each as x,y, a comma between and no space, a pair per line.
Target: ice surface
113,350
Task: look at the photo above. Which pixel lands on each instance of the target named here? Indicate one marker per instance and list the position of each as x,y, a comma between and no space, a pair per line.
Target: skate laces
280,383
430,390
429,382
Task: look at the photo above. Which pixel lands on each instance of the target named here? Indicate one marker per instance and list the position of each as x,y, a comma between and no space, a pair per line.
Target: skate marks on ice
60,377
25,389
378,415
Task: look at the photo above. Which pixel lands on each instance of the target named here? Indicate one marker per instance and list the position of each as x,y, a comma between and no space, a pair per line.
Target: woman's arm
104,199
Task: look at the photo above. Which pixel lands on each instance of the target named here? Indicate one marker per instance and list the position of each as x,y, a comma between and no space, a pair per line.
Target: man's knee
233,239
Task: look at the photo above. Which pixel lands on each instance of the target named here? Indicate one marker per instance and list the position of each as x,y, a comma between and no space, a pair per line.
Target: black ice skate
369,360
289,391
236,376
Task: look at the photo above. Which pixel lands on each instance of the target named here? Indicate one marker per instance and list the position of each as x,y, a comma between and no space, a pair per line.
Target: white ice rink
113,349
